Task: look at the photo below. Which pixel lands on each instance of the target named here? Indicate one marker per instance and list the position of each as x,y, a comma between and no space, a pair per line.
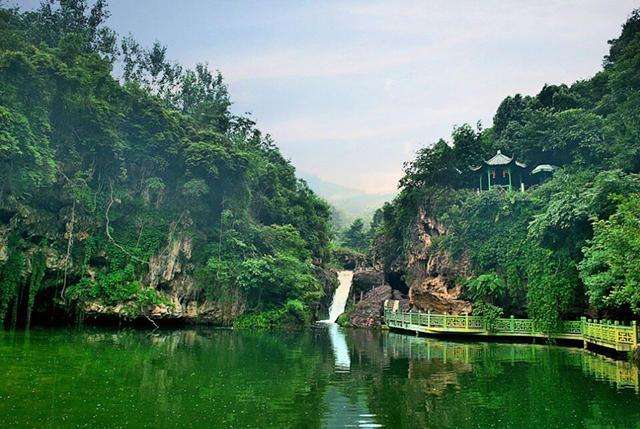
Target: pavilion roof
500,159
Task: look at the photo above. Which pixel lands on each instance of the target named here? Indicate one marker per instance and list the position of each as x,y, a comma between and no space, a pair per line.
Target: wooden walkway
611,335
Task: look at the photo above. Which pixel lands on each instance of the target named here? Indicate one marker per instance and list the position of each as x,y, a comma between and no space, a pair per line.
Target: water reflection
347,403
431,383
340,348
619,373
325,377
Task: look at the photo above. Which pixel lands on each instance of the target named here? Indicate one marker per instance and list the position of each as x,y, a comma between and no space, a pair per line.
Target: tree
610,268
111,175
511,109
355,236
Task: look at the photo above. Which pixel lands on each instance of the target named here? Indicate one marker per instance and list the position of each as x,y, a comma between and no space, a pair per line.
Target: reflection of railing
604,333
622,374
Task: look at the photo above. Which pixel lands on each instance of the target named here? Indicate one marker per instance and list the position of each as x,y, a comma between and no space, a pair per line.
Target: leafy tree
108,175
612,257
355,236
511,109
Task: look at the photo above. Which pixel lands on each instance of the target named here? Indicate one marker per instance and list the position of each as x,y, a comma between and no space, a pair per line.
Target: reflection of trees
622,374
133,378
266,379
431,383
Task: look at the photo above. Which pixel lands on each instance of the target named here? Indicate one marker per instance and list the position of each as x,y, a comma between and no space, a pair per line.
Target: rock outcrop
424,271
171,275
368,312
364,280
431,274
349,259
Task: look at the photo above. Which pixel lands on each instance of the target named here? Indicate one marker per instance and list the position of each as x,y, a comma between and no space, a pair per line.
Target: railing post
511,323
444,321
466,321
428,318
635,333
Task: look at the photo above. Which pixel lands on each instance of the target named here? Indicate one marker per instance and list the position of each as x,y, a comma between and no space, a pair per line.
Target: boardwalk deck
607,334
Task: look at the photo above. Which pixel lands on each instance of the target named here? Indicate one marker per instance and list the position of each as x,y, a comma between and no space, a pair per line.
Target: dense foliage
102,177
562,248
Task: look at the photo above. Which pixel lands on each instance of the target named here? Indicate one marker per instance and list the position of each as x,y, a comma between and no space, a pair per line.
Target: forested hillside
567,247
141,195
349,204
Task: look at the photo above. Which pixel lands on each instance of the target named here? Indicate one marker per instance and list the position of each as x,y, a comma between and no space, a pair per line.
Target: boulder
364,280
369,312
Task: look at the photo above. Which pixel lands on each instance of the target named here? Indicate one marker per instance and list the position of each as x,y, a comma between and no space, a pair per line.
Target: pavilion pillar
509,172
489,179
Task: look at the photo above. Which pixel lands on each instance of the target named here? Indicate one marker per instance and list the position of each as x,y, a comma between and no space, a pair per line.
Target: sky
351,89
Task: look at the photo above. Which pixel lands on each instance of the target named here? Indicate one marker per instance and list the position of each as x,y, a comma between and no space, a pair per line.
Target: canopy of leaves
105,172
610,268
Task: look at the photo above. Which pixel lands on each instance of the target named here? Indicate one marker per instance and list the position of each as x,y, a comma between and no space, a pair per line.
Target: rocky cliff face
430,273
171,274
368,312
426,274
364,280
170,271
423,278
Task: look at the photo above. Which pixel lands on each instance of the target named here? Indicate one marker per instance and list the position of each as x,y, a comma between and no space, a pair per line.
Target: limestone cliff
170,273
422,277
431,275
428,275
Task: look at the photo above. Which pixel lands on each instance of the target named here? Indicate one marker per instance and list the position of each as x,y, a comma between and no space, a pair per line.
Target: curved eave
546,168
509,164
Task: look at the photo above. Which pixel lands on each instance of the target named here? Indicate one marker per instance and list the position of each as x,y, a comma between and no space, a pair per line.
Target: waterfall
340,296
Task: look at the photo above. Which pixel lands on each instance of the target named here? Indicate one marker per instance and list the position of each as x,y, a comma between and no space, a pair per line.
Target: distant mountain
349,203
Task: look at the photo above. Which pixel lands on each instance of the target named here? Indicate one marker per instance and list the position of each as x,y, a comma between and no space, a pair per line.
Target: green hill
349,203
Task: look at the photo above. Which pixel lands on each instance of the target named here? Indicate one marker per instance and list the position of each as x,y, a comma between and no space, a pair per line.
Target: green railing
603,333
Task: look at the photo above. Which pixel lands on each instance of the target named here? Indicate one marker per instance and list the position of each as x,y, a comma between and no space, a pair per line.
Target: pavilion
501,171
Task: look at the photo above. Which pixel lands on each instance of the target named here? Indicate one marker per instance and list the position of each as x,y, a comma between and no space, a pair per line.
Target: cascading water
340,296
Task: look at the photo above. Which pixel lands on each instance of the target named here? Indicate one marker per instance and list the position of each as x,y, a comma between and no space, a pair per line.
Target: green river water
321,377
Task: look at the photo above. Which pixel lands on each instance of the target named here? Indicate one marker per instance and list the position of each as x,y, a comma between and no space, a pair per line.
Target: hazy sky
350,89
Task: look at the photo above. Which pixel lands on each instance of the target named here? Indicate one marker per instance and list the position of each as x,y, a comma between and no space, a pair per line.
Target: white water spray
340,296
